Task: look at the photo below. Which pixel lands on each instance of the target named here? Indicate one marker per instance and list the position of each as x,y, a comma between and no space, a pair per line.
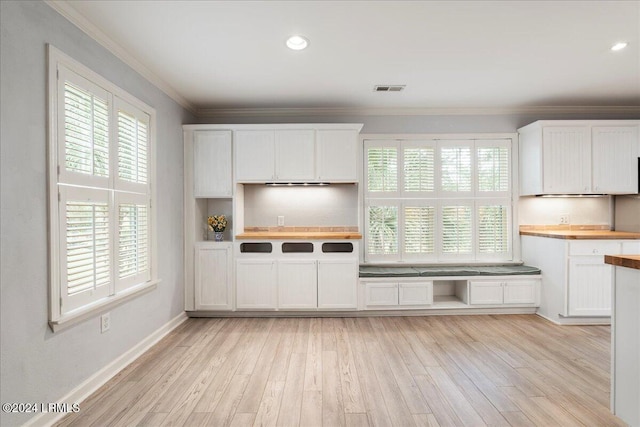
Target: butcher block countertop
299,235
577,233
630,261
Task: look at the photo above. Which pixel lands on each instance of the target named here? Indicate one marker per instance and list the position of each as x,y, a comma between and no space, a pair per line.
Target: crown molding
73,16
449,111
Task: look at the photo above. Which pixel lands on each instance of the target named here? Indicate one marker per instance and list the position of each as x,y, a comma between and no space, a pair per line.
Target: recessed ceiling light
297,42
619,46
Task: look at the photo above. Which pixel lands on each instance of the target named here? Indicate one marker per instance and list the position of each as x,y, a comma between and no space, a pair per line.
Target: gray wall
38,365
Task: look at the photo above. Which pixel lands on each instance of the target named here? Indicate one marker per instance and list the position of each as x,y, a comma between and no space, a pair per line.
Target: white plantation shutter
456,226
419,231
455,167
382,167
493,230
133,139
133,240
83,129
86,246
419,168
493,164
382,230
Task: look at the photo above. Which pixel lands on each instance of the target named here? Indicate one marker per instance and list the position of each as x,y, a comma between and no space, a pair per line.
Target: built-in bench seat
445,271
479,289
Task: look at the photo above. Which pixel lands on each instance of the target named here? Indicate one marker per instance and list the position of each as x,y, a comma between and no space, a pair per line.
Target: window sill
84,313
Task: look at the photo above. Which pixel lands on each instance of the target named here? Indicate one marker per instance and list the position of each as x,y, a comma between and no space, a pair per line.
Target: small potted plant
217,224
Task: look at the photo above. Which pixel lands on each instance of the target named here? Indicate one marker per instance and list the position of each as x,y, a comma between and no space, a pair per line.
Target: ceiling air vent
388,88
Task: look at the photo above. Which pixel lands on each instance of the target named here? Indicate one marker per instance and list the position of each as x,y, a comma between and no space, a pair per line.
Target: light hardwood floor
517,370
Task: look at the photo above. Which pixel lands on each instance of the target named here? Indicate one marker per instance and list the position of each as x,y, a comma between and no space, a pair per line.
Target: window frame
438,198
63,68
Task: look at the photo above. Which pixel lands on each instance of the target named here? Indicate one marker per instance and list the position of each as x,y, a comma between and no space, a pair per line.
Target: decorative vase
219,236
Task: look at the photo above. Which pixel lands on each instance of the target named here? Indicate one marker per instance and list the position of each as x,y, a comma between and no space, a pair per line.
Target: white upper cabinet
566,160
337,155
297,153
579,157
615,154
255,155
212,164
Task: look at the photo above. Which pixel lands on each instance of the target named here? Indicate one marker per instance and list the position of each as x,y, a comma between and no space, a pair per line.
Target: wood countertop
630,261
581,234
299,235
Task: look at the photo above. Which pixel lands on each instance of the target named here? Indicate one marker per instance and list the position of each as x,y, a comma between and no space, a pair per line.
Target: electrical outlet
280,220
564,218
105,322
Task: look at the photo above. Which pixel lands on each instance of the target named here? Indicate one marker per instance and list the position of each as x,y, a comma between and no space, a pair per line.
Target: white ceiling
449,54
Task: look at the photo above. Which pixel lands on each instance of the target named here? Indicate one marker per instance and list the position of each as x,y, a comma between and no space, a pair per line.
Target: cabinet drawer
381,294
520,292
486,292
591,247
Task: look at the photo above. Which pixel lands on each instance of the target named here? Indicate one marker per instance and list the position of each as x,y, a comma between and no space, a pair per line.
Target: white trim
435,111
72,15
91,310
276,126
578,321
97,380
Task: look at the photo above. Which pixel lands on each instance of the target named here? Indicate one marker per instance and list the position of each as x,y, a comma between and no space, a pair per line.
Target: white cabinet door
630,247
377,294
486,292
590,282
337,155
520,292
337,284
615,159
297,284
415,293
212,164
213,277
295,155
255,155
566,160
256,284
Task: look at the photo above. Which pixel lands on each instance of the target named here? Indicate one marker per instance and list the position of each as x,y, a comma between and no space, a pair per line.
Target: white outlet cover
105,322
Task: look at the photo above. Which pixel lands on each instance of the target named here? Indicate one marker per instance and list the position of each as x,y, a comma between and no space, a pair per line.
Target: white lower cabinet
394,294
337,284
590,283
213,276
415,293
256,286
377,294
500,292
297,284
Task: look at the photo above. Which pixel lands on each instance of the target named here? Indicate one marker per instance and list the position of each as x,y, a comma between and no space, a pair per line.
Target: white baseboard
578,321
97,380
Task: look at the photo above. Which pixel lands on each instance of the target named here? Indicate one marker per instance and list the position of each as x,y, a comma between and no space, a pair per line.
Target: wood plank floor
517,370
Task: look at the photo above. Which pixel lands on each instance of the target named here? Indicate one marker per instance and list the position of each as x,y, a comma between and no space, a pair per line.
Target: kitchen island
625,338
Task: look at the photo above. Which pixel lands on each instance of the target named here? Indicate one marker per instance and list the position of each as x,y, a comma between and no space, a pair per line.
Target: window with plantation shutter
493,160
419,230
457,237
493,229
455,168
382,167
101,172
382,230
450,199
132,145
419,169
